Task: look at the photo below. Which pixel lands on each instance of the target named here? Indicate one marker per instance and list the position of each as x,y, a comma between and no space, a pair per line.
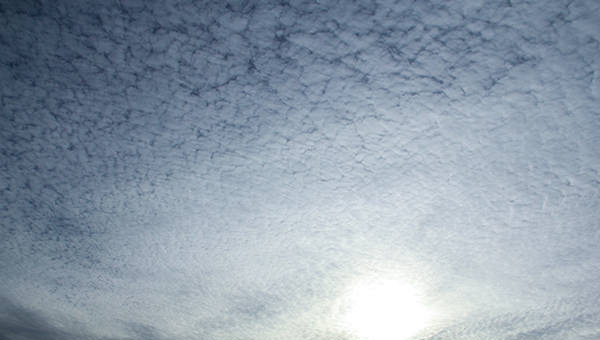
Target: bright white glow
384,310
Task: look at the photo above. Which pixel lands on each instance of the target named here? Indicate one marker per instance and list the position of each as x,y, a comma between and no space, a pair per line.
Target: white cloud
184,171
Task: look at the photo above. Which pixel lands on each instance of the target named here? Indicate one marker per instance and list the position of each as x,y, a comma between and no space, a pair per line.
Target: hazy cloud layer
225,170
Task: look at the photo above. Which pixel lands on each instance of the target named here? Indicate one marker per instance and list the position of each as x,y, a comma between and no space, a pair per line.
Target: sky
299,170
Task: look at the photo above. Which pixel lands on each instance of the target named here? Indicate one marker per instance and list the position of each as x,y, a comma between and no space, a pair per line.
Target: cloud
227,170
18,322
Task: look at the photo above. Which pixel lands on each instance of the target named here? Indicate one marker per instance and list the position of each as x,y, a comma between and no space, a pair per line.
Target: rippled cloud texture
225,170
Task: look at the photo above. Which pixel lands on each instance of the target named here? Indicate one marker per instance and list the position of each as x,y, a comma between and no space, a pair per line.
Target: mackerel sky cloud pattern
229,170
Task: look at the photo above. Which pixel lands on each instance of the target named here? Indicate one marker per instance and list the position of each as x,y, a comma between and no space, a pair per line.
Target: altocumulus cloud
240,169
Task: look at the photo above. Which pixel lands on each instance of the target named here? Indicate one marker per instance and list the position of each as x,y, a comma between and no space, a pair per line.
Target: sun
384,310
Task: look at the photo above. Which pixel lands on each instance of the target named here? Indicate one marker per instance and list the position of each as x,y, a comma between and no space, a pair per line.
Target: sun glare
384,310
